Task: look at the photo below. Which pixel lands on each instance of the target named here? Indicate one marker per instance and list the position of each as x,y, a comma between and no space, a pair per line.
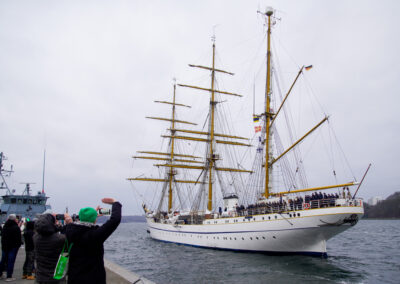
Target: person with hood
48,243
86,264
29,253
10,243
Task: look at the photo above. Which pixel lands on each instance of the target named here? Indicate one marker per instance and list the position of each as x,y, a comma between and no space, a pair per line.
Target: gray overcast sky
78,78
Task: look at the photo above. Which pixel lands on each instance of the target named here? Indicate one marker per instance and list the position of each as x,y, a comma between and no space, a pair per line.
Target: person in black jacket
10,243
29,253
48,243
86,264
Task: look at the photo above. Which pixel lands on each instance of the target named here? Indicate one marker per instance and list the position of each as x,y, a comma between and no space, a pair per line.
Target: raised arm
103,232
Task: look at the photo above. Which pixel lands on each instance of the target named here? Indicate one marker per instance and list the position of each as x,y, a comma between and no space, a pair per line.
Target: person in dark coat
86,264
48,243
29,252
10,243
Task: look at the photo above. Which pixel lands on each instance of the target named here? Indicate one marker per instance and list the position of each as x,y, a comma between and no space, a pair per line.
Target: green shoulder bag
62,263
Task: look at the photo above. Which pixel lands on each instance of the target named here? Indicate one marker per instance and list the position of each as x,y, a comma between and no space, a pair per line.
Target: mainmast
211,157
210,166
268,114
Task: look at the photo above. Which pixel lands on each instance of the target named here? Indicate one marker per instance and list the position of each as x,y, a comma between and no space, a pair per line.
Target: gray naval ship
23,205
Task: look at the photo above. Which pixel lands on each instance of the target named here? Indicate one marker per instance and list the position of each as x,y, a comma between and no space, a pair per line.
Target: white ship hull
299,232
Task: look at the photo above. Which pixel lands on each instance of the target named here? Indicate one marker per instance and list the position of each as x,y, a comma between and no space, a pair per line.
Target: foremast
268,114
270,118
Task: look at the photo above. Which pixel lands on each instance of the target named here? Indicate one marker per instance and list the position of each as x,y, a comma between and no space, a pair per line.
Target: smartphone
103,211
60,217
75,217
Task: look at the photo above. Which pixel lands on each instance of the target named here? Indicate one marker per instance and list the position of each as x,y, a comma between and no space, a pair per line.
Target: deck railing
285,207
260,209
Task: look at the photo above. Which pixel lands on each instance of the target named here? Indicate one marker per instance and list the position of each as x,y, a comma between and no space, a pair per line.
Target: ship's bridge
39,199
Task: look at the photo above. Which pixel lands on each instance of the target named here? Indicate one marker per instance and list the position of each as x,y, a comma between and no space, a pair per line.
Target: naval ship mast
3,184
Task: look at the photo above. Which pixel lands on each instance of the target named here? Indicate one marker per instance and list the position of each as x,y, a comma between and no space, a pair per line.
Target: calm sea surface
367,253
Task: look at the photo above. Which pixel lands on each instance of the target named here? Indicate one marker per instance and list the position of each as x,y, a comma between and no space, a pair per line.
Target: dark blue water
367,253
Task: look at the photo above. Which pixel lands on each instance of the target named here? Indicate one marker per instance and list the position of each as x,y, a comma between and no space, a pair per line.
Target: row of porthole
254,219
230,238
244,220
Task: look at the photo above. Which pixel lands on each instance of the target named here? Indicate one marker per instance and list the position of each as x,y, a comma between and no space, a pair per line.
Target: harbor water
366,253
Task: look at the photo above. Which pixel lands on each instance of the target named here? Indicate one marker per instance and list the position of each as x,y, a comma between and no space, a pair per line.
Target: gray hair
12,217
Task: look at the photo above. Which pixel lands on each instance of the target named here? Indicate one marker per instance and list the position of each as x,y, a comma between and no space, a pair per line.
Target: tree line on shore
385,209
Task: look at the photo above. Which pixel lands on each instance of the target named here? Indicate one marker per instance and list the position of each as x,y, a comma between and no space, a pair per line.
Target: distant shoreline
379,218
125,219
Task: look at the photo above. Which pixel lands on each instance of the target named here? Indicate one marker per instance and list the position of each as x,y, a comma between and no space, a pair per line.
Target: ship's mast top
269,11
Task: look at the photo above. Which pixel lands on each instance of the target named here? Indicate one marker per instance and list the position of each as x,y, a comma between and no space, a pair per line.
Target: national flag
257,128
256,118
308,67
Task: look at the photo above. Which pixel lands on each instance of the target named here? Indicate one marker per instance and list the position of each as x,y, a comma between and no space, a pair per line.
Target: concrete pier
115,273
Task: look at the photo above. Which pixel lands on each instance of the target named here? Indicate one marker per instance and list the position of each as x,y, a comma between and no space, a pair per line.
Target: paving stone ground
115,273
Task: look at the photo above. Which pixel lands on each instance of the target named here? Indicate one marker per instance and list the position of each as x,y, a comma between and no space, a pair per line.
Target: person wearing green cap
88,215
86,263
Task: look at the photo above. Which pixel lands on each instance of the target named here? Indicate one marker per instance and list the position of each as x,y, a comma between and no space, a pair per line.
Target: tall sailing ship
212,210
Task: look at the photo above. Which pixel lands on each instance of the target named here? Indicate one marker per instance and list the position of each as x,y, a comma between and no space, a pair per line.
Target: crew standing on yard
86,264
29,252
10,243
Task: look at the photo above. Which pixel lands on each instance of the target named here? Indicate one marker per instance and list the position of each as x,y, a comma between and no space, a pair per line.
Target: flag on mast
256,118
308,67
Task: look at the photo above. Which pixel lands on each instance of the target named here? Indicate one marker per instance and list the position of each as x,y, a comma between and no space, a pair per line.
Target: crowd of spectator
44,241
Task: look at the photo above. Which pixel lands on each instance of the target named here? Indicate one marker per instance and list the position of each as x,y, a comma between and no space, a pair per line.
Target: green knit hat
87,214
